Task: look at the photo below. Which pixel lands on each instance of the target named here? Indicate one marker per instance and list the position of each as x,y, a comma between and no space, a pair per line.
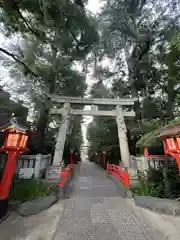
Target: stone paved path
96,211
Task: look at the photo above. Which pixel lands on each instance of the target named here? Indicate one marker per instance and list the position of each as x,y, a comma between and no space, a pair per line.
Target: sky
93,6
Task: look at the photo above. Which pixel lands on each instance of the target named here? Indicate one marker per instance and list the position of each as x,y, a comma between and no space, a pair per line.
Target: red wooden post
71,158
104,159
126,179
146,152
8,174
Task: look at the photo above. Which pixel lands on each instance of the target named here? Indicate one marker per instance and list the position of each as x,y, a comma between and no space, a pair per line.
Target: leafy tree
102,132
53,36
128,26
140,41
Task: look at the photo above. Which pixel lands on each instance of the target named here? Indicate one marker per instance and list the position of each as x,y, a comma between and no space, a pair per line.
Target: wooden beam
92,112
93,101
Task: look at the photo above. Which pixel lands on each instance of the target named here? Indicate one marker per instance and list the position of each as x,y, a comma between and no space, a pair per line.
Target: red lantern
172,147
15,140
178,143
15,143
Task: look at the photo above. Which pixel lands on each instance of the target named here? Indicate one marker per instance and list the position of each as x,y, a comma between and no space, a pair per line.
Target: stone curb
47,223
126,193
38,205
159,205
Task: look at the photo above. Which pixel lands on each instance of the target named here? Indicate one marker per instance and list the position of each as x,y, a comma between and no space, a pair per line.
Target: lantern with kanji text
16,138
171,141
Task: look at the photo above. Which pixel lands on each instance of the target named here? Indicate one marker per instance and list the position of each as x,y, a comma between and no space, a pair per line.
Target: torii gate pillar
61,138
122,135
54,170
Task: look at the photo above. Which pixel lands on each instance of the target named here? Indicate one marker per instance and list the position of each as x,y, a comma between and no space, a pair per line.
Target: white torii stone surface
93,101
122,135
66,111
93,112
54,170
61,138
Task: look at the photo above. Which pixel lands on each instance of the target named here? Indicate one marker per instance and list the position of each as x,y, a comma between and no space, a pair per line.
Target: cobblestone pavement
96,211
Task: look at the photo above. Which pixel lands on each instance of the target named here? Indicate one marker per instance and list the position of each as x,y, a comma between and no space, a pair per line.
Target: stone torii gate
67,111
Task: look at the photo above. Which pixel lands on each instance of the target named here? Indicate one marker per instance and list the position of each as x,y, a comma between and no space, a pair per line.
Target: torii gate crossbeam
93,101
93,112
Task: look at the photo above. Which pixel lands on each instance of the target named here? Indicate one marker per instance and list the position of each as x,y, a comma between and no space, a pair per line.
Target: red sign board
178,143
171,144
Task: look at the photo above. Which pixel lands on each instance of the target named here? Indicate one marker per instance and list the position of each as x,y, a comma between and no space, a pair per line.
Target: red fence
65,174
119,174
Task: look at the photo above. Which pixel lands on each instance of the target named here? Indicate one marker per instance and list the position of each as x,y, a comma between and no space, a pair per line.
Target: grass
145,189
24,190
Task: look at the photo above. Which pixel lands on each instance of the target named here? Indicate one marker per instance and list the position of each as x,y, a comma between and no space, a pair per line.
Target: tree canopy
140,39
50,37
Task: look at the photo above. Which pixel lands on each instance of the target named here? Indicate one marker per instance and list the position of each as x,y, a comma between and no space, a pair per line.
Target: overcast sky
94,6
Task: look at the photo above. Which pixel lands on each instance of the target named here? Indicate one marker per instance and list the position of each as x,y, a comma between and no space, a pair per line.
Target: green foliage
102,132
150,139
51,22
23,190
156,183
141,32
145,189
54,35
151,134
173,121
176,41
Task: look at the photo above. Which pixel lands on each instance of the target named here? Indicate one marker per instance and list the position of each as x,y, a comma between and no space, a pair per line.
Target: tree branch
9,54
34,32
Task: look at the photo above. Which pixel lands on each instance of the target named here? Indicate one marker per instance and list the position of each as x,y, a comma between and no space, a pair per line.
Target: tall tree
139,39
54,34
135,27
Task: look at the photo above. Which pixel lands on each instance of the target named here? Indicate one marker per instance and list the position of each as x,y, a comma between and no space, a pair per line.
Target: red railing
65,174
119,174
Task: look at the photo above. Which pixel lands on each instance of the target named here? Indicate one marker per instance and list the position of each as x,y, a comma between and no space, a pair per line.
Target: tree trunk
132,78
167,189
44,113
41,127
171,97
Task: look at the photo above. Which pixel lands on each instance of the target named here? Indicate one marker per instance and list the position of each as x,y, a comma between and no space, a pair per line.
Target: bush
145,189
23,190
159,183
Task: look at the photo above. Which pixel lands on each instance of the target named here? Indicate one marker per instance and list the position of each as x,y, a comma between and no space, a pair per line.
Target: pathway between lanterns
96,210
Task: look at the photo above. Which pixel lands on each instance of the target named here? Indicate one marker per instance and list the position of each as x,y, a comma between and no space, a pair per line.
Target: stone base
3,208
132,172
53,172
